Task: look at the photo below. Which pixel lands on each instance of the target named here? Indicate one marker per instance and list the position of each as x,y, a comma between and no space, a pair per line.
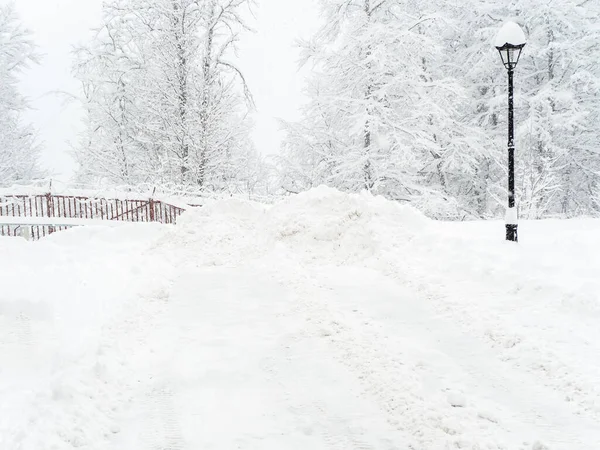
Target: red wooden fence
77,207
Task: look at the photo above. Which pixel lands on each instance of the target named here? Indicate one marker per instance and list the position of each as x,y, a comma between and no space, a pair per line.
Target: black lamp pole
511,228
510,43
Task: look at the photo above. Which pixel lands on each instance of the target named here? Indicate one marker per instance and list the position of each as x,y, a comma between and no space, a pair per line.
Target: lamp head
510,43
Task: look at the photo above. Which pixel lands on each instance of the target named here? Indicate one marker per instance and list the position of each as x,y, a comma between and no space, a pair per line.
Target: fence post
50,210
152,210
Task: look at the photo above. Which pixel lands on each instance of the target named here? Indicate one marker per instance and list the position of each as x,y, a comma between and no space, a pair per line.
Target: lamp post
510,43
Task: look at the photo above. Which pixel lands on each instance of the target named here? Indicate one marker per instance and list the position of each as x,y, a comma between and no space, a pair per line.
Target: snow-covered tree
110,72
382,114
19,152
164,103
556,101
561,167
408,99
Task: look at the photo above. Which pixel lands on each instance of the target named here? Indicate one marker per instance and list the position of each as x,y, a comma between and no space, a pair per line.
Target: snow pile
220,233
323,224
330,226
326,320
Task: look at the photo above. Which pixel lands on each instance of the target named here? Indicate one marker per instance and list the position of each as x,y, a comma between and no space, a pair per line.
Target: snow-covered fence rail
37,216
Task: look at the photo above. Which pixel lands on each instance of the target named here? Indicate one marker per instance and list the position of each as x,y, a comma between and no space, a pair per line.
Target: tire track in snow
388,377
460,359
332,428
291,394
538,405
161,427
17,336
146,418
162,430
519,338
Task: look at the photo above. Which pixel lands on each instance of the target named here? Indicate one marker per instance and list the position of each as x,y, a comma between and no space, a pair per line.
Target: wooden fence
18,213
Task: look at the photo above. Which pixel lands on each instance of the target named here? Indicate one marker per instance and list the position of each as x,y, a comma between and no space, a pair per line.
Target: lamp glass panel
512,56
518,54
504,56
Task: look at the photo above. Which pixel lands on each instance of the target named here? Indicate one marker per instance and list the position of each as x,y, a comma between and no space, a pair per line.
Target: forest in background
407,99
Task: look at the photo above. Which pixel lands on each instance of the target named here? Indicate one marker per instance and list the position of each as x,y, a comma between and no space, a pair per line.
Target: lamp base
512,233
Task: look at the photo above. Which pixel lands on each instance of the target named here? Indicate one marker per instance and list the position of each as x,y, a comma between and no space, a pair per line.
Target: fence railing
28,208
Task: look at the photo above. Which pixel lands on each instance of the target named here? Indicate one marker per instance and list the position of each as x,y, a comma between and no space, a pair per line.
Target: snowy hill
325,321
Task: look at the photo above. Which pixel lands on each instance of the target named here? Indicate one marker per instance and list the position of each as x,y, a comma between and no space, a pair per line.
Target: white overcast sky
268,57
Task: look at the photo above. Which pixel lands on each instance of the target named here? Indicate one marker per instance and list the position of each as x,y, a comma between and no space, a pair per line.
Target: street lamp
510,43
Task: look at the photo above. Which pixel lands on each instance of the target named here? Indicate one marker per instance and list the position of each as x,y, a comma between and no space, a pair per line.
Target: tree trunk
368,169
182,79
207,81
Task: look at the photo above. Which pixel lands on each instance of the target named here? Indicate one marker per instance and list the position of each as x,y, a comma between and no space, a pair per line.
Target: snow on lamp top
510,42
512,34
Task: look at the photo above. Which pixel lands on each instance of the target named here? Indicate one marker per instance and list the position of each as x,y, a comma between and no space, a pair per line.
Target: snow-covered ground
325,321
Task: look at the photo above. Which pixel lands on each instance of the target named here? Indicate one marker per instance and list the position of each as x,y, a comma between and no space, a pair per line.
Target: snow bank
326,224
322,224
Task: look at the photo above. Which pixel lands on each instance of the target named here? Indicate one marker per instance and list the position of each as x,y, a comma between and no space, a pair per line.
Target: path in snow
327,359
